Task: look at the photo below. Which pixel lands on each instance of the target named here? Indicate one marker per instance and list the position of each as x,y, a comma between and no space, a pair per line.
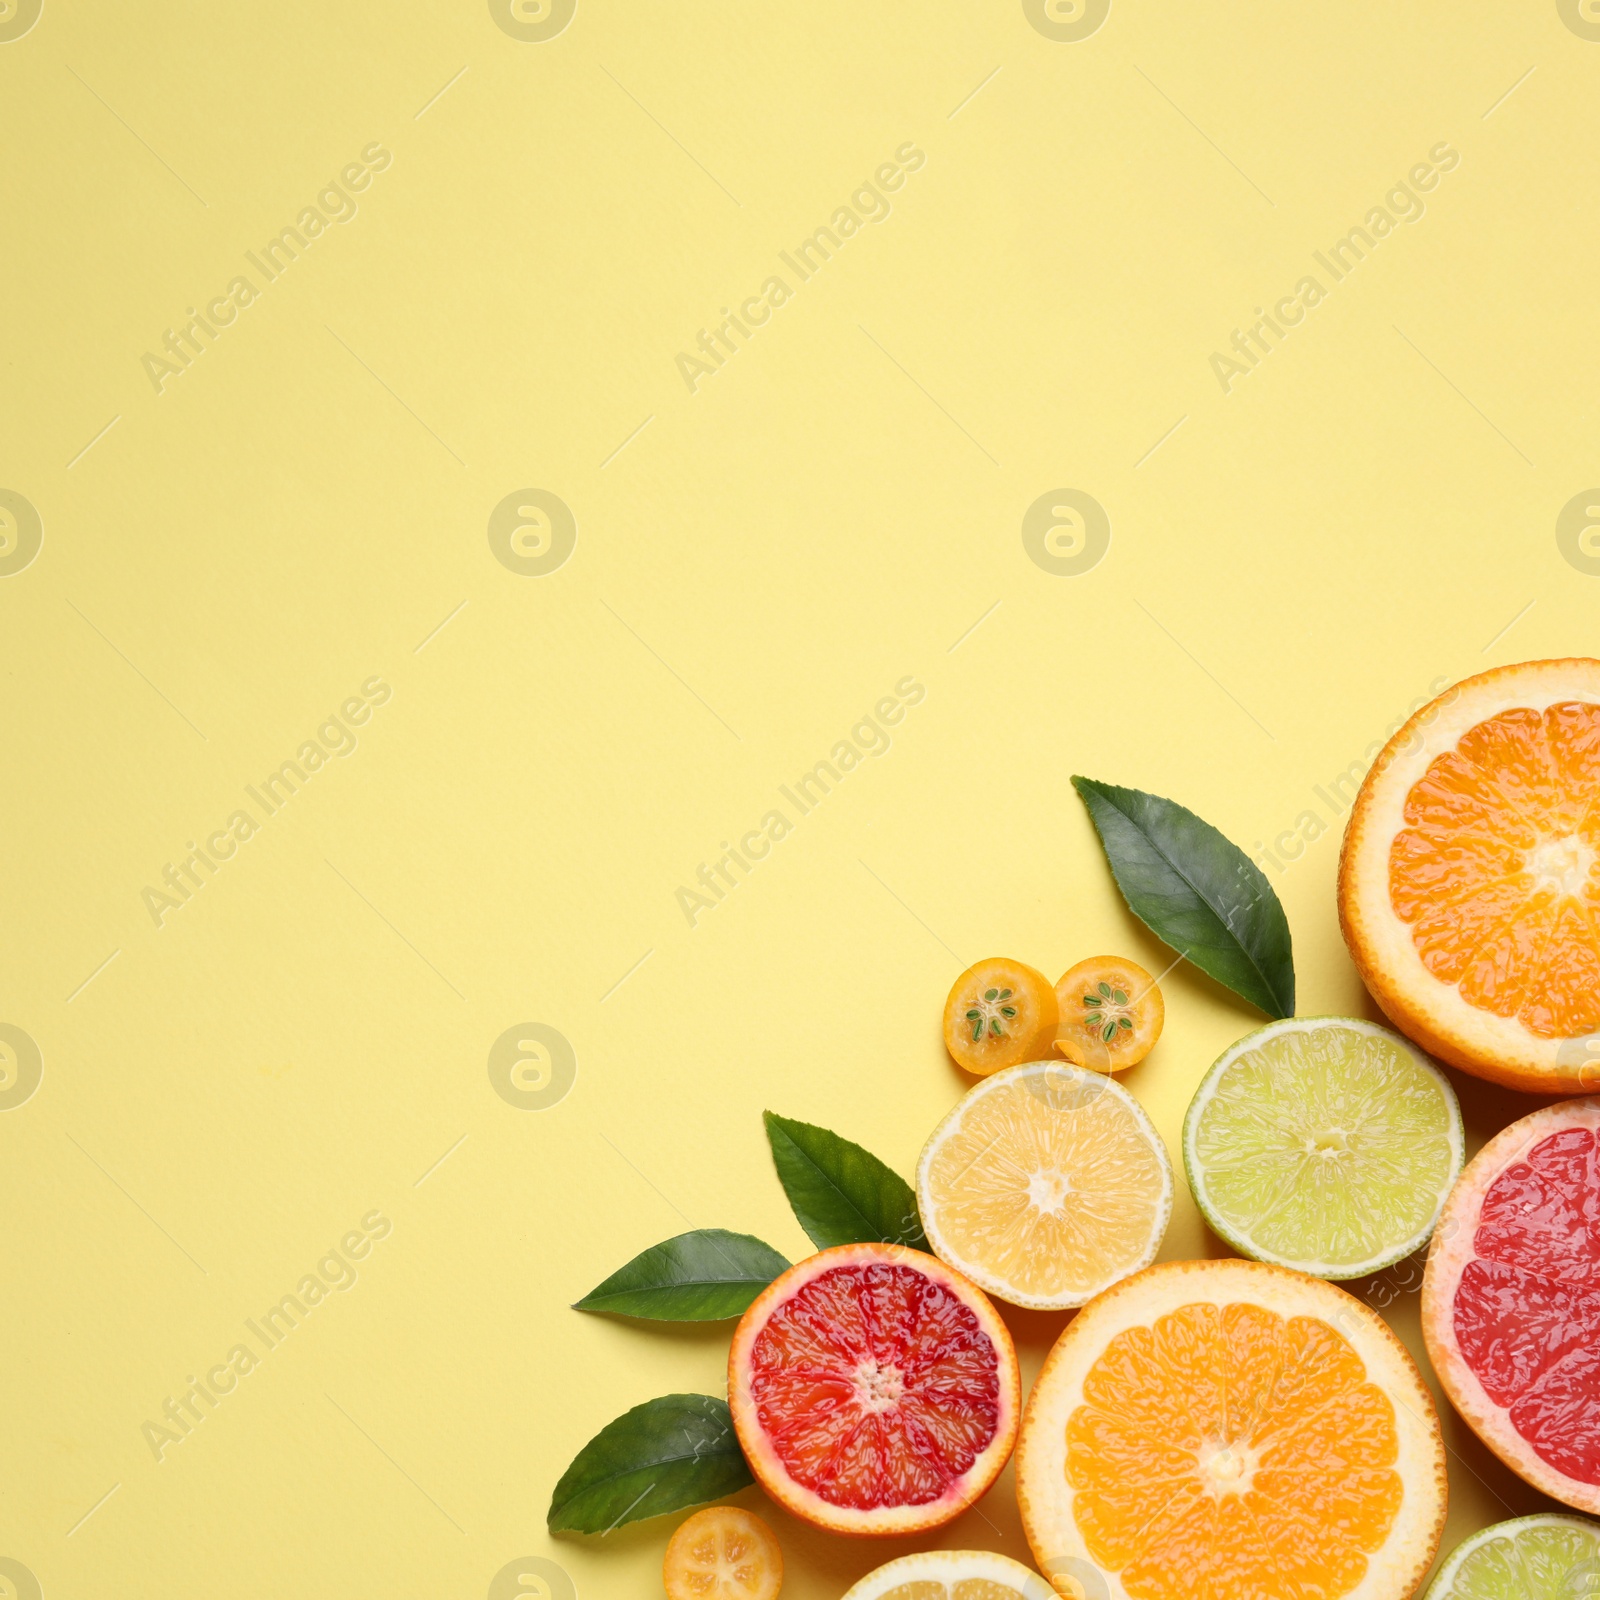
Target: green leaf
1195,890
841,1193
663,1456
703,1276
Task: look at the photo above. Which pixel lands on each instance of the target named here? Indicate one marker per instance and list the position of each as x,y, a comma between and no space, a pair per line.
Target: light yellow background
1369,512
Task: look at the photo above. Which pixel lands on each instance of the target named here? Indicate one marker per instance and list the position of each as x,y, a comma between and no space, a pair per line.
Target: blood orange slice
1511,1299
1228,1430
1469,883
874,1390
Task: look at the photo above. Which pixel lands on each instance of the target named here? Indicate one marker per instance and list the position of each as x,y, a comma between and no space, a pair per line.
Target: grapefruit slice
723,1553
1468,882
1511,1299
952,1575
1543,1557
1045,1184
1216,1430
874,1390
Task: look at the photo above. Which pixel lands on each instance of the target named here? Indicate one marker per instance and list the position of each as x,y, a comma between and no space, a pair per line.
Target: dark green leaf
1195,890
663,1456
841,1193
697,1277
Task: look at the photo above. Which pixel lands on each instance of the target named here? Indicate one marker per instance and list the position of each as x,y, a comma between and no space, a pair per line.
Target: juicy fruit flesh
1536,1563
1000,1012
1051,1185
1527,1309
1494,870
876,1386
1230,1451
723,1553
1111,1013
961,1589
1329,1145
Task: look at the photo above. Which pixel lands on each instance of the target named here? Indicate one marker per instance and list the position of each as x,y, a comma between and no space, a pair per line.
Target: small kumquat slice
1111,1013
1000,1012
723,1553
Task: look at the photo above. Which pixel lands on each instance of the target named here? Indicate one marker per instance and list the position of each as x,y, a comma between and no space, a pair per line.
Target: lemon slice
952,1575
1543,1557
1045,1185
1327,1144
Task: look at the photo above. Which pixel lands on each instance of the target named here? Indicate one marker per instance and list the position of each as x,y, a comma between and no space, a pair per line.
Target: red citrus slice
874,1390
1511,1299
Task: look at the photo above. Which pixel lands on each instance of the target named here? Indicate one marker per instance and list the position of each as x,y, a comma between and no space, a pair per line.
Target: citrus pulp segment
1511,1299
1229,1430
1468,882
1544,1557
874,1390
1046,1183
723,1553
952,1575
1111,1013
1327,1144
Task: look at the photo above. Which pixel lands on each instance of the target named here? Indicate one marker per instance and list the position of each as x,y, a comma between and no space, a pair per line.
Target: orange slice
723,1553
999,1013
1227,1430
1111,1013
1468,884
874,1390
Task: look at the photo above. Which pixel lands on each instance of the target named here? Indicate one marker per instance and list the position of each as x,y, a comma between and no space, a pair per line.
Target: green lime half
1547,1557
1327,1144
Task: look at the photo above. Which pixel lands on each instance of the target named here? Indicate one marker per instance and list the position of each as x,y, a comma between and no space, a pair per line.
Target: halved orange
998,1013
1228,1430
723,1553
1468,884
1111,1013
874,1390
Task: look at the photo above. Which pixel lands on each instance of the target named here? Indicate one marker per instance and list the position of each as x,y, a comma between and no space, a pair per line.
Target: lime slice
1327,1144
1547,1557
